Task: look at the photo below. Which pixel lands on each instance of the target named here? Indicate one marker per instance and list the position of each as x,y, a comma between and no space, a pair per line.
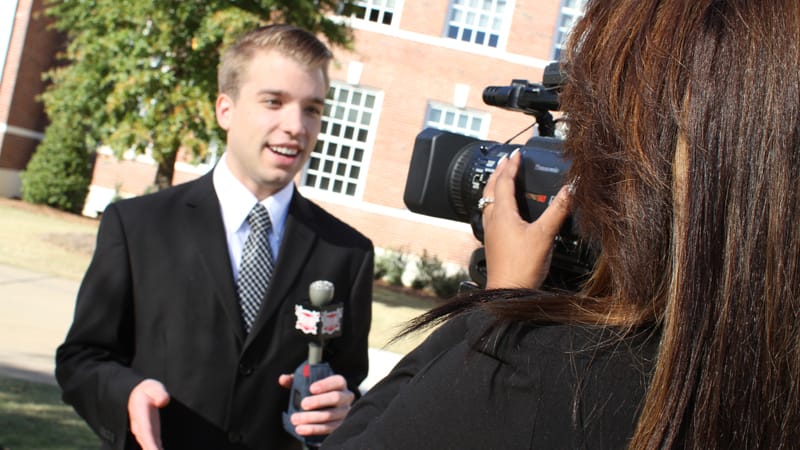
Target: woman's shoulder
560,345
586,382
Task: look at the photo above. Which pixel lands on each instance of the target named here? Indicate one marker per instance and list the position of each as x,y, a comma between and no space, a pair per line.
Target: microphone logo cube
323,322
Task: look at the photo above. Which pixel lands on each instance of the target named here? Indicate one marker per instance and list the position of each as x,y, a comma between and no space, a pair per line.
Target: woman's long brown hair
685,131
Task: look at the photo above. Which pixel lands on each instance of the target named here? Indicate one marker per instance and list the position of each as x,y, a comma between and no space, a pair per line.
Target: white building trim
19,131
372,208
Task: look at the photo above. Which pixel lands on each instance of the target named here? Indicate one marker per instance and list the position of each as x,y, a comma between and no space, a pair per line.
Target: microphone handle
314,353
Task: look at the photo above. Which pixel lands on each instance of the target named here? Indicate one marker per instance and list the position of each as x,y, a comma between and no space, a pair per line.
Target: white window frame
341,114
381,7
458,113
570,12
468,16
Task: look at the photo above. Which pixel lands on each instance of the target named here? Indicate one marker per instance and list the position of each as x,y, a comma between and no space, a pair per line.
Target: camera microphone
319,321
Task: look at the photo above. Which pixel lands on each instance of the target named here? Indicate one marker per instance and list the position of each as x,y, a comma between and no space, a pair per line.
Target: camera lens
469,172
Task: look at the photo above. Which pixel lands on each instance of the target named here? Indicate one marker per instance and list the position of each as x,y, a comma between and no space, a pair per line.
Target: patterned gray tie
256,268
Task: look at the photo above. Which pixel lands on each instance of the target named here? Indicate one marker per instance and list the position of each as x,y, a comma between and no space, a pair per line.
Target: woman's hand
518,253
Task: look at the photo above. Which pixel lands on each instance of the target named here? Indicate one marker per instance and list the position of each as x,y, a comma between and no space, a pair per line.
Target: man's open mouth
286,151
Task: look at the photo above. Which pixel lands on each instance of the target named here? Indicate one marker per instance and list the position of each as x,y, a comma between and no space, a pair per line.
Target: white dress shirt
236,201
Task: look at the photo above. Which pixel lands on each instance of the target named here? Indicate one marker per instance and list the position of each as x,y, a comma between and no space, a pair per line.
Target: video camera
448,172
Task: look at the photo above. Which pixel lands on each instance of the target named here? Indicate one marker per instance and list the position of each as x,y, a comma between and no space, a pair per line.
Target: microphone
319,321
330,318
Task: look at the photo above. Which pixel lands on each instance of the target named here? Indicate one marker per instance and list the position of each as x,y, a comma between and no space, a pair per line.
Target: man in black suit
161,352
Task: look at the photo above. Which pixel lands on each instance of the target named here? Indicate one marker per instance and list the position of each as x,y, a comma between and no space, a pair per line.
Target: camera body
448,172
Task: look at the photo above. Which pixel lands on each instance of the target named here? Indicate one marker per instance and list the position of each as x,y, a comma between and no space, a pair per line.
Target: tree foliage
141,75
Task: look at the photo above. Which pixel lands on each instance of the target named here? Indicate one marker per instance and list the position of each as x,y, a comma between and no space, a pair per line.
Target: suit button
234,437
245,370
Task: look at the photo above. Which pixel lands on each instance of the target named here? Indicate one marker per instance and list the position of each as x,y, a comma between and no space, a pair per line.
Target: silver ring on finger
483,202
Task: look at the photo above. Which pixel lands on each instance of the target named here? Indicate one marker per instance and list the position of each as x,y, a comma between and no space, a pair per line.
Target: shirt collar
236,200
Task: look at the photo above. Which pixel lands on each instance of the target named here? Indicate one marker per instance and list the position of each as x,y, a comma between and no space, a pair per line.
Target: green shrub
447,285
428,268
432,275
60,171
390,265
419,284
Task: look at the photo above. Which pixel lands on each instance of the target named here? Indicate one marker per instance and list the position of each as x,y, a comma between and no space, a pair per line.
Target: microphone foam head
320,292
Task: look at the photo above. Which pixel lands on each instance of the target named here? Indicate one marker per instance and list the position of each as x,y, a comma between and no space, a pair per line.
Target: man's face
273,124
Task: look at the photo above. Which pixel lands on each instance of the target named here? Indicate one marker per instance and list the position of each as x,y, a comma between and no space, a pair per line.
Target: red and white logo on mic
332,321
309,320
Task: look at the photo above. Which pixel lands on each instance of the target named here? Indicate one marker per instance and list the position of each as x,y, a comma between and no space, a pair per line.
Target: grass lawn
32,416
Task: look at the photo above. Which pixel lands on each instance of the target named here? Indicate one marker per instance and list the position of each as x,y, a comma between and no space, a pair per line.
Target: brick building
415,64
27,48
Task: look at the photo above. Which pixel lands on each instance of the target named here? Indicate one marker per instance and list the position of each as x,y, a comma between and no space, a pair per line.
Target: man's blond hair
291,41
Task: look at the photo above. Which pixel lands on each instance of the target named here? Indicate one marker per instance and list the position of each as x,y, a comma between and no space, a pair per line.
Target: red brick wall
426,17
532,28
16,151
449,245
410,75
129,177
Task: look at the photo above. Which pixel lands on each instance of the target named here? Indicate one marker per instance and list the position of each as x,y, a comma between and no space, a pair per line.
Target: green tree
141,75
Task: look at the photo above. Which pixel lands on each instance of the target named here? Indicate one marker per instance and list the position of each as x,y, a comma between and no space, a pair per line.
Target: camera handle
477,270
547,126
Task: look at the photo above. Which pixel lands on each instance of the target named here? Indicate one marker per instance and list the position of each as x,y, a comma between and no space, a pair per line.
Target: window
457,120
378,11
479,22
571,11
338,163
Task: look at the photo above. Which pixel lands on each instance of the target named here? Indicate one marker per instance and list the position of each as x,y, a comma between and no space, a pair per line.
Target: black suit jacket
523,387
159,301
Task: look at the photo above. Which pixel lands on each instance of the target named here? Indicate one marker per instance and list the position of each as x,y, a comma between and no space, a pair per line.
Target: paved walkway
36,311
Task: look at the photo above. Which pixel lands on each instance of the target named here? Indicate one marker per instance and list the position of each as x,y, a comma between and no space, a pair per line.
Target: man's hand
518,253
143,404
325,409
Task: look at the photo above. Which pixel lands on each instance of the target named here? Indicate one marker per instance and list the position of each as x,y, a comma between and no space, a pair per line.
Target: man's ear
224,109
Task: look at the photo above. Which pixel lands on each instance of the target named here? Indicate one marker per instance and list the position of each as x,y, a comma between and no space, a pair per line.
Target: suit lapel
206,233
298,241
